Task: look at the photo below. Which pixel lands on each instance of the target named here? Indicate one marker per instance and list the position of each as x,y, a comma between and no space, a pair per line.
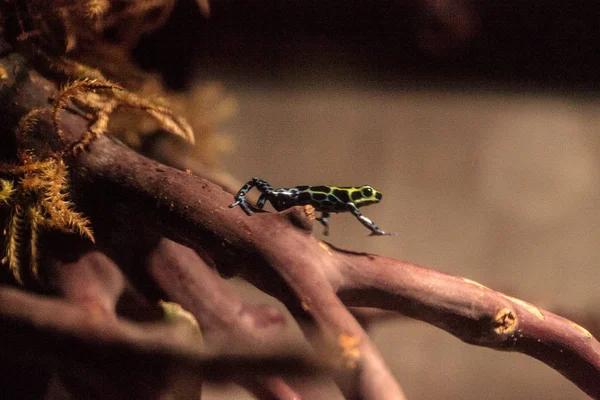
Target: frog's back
324,198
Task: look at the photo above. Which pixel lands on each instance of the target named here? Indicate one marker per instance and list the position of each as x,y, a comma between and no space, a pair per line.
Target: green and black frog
326,199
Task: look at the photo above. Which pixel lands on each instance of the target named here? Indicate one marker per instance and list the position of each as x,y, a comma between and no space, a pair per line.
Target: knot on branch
349,345
300,217
262,316
505,321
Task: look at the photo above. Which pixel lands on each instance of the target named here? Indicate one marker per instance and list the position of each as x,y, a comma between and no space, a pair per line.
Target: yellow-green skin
326,199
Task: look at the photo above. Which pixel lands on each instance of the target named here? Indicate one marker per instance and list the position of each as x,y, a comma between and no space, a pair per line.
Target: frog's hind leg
261,201
240,197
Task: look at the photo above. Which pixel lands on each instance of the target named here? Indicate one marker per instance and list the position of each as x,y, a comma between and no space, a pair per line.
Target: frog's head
365,195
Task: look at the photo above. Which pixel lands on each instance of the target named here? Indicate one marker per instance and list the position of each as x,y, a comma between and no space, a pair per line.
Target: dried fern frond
39,200
34,225
102,104
137,18
6,191
58,210
98,128
29,121
206,105
172,123
62,26
75,90
72,69
97,8
161,114
15,235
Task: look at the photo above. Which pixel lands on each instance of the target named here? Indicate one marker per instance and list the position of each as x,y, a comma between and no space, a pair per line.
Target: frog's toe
383,233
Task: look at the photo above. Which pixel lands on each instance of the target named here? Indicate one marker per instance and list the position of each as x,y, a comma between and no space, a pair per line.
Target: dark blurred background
385,43
478,120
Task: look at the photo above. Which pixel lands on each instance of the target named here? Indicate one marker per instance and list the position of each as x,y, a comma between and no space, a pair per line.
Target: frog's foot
243,205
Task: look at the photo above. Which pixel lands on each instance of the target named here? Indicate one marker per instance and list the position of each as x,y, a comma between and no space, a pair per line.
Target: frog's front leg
324,219
375,231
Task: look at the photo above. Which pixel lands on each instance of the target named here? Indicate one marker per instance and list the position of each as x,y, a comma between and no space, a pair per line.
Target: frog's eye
367,192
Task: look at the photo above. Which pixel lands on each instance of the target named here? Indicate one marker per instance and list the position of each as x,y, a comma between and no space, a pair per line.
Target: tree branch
473,313
276,252
224,318
30,330
226,321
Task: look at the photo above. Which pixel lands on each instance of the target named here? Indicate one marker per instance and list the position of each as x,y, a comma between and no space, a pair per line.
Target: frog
325,199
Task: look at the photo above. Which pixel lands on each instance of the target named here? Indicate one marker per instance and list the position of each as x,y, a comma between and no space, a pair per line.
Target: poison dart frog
326,199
